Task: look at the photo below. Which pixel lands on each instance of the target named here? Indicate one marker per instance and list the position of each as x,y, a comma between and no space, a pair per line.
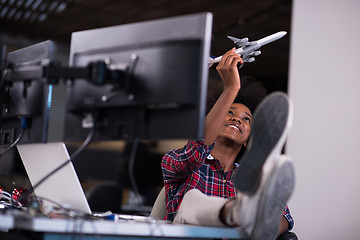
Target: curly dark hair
251,93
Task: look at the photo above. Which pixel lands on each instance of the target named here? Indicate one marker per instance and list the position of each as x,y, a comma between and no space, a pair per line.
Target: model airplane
249,50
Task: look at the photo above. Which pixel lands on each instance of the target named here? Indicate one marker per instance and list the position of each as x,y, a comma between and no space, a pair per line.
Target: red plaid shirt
192,167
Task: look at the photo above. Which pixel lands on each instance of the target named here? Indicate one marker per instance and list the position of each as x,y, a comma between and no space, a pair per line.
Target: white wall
325,139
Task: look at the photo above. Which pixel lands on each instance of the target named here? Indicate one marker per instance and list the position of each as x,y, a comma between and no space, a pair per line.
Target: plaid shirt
192,167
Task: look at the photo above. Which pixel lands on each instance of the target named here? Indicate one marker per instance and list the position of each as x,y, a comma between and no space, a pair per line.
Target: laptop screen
63,187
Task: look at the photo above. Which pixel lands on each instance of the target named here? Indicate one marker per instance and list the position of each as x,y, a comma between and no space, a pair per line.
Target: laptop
63,187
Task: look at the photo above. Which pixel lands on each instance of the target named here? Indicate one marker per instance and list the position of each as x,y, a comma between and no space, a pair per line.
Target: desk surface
150,228
6,222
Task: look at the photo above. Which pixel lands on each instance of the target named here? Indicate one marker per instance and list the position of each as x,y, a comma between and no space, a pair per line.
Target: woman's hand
228,69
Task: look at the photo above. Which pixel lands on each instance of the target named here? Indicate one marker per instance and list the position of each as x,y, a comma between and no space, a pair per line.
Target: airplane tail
211,61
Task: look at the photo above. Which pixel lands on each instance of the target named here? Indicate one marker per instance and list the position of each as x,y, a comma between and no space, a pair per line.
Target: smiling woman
201,172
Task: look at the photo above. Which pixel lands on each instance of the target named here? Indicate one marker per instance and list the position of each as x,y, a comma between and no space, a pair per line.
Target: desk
47,229
6,222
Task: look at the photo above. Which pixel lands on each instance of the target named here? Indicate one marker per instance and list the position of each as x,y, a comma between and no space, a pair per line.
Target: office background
320,73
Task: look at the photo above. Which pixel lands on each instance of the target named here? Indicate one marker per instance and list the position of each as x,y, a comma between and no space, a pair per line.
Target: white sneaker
260,214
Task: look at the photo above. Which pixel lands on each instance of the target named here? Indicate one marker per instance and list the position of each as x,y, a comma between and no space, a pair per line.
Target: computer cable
133,156
3,76
24,125
8,201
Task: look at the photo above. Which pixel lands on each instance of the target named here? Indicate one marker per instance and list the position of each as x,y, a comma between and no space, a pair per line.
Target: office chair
159,210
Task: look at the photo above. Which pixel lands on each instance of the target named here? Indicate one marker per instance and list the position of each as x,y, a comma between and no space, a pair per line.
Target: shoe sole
271,122
277,189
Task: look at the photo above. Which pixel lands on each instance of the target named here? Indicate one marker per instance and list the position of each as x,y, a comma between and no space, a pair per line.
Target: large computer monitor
25,99
162,89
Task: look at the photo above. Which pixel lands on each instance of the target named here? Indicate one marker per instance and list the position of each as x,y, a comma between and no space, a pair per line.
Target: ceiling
24,22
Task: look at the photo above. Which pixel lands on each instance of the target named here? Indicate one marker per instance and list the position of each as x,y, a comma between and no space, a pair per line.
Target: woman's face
237,124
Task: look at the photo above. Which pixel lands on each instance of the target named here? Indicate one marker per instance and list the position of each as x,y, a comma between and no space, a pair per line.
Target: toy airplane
249,50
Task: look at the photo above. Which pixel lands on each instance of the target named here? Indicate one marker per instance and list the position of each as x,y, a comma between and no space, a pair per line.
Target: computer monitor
26,99
163,89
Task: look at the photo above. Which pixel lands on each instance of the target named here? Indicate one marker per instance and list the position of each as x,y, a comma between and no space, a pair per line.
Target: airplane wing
240,42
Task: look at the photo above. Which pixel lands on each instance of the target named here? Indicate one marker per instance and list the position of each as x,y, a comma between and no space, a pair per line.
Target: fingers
230,59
